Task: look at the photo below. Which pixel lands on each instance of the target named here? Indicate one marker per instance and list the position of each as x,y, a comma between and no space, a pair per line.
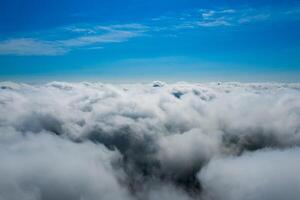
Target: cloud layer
149,141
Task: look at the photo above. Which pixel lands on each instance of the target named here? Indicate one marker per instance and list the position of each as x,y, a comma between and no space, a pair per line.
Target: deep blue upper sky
137,40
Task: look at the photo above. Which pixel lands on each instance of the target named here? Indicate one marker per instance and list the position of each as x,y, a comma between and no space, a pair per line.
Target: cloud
244,15
222,17
269,174
44,166
258,17
146,141
217,22
114,36
183,154
293,12
89,37
30,46
228,17
93,36
210,14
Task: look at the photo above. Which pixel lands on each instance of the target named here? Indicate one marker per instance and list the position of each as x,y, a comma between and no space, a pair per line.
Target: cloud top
90,141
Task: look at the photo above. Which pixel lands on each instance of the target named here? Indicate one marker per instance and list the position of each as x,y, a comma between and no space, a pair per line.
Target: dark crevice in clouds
213,141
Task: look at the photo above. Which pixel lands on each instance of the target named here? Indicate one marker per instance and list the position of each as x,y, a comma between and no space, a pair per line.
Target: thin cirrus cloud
30,46
89,38
205,18
224,17
116,33
92,36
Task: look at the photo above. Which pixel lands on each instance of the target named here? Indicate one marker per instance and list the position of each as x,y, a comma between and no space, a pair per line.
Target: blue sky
135,40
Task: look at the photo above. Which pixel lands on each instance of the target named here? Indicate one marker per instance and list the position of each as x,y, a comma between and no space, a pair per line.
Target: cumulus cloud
270,174
144,141
44,166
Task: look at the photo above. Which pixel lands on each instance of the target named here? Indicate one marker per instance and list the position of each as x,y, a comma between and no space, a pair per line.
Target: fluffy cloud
44,166
271,174
140,141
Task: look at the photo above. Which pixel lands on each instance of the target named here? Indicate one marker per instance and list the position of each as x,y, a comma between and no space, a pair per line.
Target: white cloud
268,175
216,22
113,34
258,17
133,26
48,167
89,37
98,141
227,17
180,154
223,17
30,46
111,37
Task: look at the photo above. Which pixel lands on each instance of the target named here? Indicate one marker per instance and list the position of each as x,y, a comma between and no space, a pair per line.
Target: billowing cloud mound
149,141
270,174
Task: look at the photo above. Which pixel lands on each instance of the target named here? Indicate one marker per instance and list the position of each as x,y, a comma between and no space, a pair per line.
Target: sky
138,40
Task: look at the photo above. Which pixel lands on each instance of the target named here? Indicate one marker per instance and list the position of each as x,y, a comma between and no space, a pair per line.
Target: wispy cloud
251,18
206,18
94,36
113,34
213,23
30,46
86,37
230,17
225,17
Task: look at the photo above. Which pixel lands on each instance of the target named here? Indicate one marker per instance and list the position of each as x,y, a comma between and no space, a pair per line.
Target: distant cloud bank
183,141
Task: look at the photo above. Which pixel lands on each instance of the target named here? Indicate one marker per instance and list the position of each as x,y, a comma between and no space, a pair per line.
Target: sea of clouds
182,141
